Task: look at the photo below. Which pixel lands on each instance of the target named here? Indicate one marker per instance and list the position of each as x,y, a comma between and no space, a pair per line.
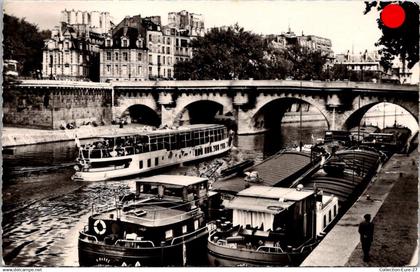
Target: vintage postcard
210,134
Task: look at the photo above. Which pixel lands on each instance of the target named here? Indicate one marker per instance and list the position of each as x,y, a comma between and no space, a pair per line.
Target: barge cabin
162,224
271,226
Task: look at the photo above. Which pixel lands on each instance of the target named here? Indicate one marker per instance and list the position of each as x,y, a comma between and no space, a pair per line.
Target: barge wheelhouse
162,224
131,154
271,226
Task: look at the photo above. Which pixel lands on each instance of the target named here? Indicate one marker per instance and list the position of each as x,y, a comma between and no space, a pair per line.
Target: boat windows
149,162
113,164
95,153
177,192
156,161
129,150
199,152
137,144
169,234
85,153
141,164
185,140
184,229
195,224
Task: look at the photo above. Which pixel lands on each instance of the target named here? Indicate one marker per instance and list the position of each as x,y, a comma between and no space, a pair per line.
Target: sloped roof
272,171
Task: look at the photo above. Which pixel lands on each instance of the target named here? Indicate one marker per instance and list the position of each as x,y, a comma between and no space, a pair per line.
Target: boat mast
300,127
383,121
358,127
395,116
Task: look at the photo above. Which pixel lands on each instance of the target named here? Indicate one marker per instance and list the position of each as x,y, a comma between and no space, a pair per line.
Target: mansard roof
131,33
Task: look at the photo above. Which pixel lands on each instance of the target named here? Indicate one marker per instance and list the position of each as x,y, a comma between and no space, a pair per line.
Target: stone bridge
254,105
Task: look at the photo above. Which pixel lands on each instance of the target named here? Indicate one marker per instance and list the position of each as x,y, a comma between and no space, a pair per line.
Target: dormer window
51,45
124,42
139,43
108,42
66,45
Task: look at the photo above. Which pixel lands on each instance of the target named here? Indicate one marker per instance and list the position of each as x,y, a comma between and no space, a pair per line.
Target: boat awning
275,193
253,204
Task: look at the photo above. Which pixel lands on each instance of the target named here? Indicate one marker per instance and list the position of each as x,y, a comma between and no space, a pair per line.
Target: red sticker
393,16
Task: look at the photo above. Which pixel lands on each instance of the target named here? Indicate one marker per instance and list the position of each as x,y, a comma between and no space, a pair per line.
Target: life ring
103,227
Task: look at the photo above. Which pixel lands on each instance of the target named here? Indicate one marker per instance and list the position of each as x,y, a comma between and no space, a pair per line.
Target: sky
341,21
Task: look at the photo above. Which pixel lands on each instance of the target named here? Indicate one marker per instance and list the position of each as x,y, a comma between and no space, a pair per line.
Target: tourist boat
131,154
162,224
271,226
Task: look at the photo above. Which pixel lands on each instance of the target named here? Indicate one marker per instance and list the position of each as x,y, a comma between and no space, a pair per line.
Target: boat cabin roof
268,192
118,135
381,134
185,128
173,180
267,199
337,132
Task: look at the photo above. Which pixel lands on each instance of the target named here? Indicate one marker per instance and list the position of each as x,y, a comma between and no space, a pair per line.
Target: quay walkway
393,204
13,136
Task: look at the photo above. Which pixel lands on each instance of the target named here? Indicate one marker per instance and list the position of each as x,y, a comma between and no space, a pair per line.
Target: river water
43,209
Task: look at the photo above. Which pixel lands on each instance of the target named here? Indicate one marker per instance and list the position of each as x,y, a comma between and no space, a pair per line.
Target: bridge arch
354,118
201,111
269,112
141,114
203,108
125,101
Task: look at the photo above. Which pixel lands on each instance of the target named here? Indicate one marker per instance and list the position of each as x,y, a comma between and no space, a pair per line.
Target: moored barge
271,226
162,224
276,170
347,175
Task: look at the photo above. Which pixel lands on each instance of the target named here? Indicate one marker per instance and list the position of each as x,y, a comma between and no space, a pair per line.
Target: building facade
71,53
191,22
311,42
99,22
369,62
316,43
123,56
162,47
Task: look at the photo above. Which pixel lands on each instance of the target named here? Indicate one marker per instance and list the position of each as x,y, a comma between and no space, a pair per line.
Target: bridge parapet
256,84
57,102
63,84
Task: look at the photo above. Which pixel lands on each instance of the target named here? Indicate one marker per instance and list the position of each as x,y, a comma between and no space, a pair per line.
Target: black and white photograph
210,134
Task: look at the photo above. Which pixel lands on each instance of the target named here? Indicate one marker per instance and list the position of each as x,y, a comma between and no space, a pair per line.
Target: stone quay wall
56,106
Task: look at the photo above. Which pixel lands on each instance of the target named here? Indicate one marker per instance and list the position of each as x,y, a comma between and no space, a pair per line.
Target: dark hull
222,256
189,253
